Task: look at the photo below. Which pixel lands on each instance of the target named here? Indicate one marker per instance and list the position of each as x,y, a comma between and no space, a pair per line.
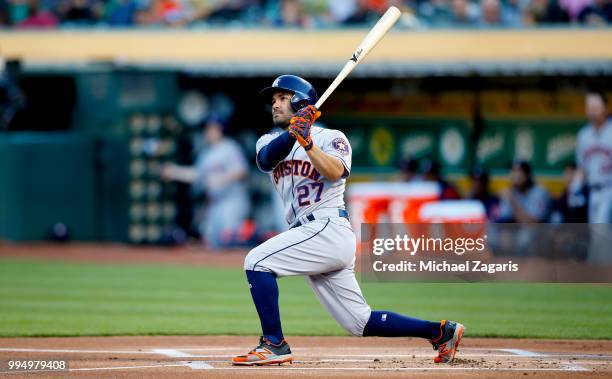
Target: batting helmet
303,92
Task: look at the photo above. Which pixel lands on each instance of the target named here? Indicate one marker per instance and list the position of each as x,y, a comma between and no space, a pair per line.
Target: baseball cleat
265,354
448,342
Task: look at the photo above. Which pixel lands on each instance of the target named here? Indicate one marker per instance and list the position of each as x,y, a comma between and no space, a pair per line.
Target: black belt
311,217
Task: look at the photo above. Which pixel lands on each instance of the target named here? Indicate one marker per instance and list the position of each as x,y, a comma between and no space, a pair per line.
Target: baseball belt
599,186
317,215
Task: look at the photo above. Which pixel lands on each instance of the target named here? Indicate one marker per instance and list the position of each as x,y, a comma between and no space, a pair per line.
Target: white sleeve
336,144
261,142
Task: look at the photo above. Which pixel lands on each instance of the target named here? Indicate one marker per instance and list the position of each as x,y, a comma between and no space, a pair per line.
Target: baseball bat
369,42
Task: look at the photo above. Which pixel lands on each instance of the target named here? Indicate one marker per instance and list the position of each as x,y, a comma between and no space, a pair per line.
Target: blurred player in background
220,171
525,201
594,157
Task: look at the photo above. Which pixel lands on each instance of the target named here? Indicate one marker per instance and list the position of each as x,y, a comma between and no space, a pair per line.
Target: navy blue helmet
303,92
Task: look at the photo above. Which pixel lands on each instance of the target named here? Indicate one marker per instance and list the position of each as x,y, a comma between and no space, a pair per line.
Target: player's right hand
167,172
300,124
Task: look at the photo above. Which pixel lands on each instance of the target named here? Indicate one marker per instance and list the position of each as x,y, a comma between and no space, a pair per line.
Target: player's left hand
310,113
300,124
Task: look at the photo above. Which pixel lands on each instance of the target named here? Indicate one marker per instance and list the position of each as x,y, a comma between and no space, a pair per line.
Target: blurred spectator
525,201
162,12
220,171
594,157
479,190
495,14
409,170
38,17
341,10
574,7
297,13
4,17
13,100
518,6
408,19
18,11
120,12
545,12
291,14
365,12
80,12
231,10
431,172
572,205
599,13
464,13
435,12
490,13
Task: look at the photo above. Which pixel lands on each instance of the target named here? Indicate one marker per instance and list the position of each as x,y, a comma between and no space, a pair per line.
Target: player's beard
282,122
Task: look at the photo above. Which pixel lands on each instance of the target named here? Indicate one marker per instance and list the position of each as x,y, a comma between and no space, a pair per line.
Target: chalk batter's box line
298,370
204,365
483,352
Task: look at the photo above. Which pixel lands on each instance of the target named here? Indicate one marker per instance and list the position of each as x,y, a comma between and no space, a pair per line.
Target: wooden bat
369,42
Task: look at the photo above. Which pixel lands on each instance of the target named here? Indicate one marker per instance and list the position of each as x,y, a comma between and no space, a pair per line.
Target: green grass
70,299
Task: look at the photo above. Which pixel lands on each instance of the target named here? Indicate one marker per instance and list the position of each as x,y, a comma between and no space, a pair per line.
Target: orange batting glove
300,124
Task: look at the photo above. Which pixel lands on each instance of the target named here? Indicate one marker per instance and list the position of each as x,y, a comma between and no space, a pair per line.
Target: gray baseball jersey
594,157
229,202
216,163
322,249
299,184
594,154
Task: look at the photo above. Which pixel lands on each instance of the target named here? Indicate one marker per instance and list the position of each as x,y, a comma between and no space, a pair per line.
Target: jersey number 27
304,193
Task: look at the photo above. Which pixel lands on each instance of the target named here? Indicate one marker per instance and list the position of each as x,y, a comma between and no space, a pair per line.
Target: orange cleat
265,354
448,342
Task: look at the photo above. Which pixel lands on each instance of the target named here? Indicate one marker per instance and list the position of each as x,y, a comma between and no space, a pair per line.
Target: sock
264,291
390,324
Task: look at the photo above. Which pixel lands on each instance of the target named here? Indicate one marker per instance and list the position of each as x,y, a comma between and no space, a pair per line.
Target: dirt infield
209,356
117,253
138,357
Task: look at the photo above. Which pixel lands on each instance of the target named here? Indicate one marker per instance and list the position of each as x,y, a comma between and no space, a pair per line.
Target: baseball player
308,166
594,159
221,171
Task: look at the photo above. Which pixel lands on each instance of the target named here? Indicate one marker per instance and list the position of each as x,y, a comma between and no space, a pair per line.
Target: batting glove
300,124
